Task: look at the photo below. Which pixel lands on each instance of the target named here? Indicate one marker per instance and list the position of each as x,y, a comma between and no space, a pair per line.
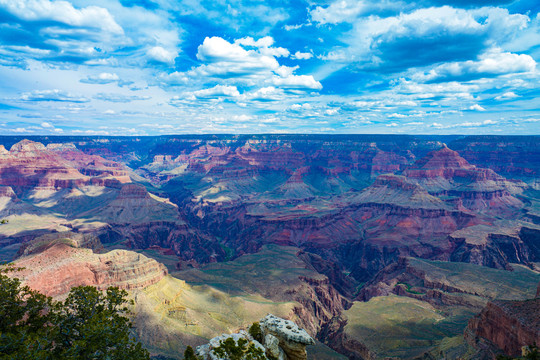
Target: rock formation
291,339
61,266
281,339
509,325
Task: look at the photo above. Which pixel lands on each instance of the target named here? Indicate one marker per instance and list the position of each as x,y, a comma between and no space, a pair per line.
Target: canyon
418,233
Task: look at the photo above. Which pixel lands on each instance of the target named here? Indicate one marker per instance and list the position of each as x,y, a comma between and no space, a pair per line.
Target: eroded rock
292,339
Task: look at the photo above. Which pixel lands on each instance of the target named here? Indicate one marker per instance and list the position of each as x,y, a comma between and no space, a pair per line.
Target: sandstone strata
57,269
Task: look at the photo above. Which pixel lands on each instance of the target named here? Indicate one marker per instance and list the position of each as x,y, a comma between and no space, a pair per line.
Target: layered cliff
56,269
30,166
509,325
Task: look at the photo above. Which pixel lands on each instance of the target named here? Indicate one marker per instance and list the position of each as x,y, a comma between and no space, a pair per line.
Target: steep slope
509,325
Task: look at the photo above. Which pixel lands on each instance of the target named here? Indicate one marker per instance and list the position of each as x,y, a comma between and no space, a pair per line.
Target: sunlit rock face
61,266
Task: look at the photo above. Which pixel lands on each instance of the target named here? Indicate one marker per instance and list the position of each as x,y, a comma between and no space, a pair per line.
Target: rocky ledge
281,339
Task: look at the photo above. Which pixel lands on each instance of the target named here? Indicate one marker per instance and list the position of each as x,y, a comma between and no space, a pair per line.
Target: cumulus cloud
425,36
53,95
246,60
476,107
302,56
161,55
226,59
63,12
492,63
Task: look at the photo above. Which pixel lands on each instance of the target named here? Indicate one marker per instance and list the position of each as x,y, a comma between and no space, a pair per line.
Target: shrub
256,332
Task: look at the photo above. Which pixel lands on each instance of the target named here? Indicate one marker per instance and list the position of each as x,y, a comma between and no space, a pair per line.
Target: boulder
292,339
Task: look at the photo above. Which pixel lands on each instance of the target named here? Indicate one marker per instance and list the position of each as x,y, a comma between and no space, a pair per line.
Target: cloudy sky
132,67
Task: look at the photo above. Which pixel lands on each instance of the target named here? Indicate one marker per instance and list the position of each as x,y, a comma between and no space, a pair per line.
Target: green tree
189,354
92,325
230,349
89,324
26,321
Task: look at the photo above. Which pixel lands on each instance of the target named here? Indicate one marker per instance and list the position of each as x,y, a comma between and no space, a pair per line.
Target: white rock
285,329
271,343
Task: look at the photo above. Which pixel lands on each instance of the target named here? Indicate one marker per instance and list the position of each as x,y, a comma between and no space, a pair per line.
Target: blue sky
149,67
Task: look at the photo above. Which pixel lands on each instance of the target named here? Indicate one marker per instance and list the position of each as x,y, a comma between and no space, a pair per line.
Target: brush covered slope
327,231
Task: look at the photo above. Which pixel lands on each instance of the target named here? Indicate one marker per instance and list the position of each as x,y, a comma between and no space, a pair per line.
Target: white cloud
159,54
493,62
476,107
297,82
63,12
268,93
46,125
102,78
507,96
226,59
302,56
266,41
338,11
52,95
218,90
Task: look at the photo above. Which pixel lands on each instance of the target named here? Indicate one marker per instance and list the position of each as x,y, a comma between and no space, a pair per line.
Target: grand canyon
379,246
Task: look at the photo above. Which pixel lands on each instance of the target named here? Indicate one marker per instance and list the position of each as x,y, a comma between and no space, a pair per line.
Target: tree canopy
89,324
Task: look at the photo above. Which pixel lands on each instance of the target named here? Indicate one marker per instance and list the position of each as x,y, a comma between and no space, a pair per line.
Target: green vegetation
396,326
408,289
232,350
89,324
189,354
256,332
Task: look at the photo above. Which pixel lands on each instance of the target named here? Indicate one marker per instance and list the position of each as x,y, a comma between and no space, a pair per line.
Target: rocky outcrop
281,339
497,245
60,267
509,325
292,339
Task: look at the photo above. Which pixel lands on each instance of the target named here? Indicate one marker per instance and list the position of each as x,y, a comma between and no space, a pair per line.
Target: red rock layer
29,165
59,268
509,325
